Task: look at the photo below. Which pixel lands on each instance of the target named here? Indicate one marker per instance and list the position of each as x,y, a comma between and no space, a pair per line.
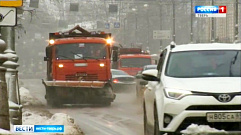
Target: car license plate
224,117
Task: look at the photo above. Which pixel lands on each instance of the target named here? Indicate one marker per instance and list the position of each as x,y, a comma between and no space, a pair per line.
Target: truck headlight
51,41
109,41
60,65
102,64
176,94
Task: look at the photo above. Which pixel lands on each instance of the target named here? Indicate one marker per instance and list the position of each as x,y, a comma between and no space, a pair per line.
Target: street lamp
146,5
4,111
124,33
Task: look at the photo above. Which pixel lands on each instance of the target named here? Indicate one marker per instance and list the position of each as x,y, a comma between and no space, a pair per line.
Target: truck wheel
53,104
50,103
106,104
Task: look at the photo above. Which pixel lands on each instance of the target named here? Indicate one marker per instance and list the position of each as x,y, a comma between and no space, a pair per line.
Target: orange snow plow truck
78,68
130,60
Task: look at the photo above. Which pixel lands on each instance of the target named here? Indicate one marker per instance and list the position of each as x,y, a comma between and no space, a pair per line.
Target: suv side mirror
46,59
150,75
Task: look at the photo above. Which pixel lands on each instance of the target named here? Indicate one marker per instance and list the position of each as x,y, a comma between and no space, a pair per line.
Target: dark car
122,81
140,82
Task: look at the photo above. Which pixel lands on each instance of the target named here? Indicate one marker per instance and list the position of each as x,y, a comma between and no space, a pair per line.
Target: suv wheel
145,121
156,123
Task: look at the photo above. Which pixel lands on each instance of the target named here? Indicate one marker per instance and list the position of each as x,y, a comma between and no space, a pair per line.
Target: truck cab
130,60
132,63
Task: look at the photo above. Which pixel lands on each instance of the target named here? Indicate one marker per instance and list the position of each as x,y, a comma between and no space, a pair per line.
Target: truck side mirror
46,59
114,56
156,62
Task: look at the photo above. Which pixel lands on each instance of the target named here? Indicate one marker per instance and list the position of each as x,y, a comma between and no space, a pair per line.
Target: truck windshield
204,64
80,51
135,62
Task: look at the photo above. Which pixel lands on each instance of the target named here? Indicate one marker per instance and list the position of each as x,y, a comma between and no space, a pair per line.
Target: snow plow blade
86,84
78,92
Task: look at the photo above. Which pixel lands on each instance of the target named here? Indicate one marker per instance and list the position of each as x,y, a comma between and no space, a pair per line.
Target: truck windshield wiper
66,57
79,56
85,57
92,58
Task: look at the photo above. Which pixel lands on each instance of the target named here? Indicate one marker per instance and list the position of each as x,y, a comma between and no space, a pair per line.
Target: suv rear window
223,63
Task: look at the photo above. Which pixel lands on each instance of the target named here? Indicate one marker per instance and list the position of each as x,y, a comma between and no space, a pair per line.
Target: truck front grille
91,77
70,77
87,77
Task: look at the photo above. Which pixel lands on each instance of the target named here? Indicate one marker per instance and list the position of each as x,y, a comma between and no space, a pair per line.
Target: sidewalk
34,113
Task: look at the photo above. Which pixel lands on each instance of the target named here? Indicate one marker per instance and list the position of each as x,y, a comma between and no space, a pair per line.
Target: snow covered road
123,117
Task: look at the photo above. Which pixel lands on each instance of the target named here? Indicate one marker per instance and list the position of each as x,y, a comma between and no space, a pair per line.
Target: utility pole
191,34
136,29
236,24
124,33
8,35
212,28
148,28
173,21
4,106
160,25
146,6
9,101
134,11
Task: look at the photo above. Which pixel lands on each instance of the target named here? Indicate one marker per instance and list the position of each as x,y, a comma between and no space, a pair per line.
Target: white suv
194,83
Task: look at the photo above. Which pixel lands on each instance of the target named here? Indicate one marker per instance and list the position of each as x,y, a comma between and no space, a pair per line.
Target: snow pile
67,121
27,99
195,129
33,115
33,118
4,132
